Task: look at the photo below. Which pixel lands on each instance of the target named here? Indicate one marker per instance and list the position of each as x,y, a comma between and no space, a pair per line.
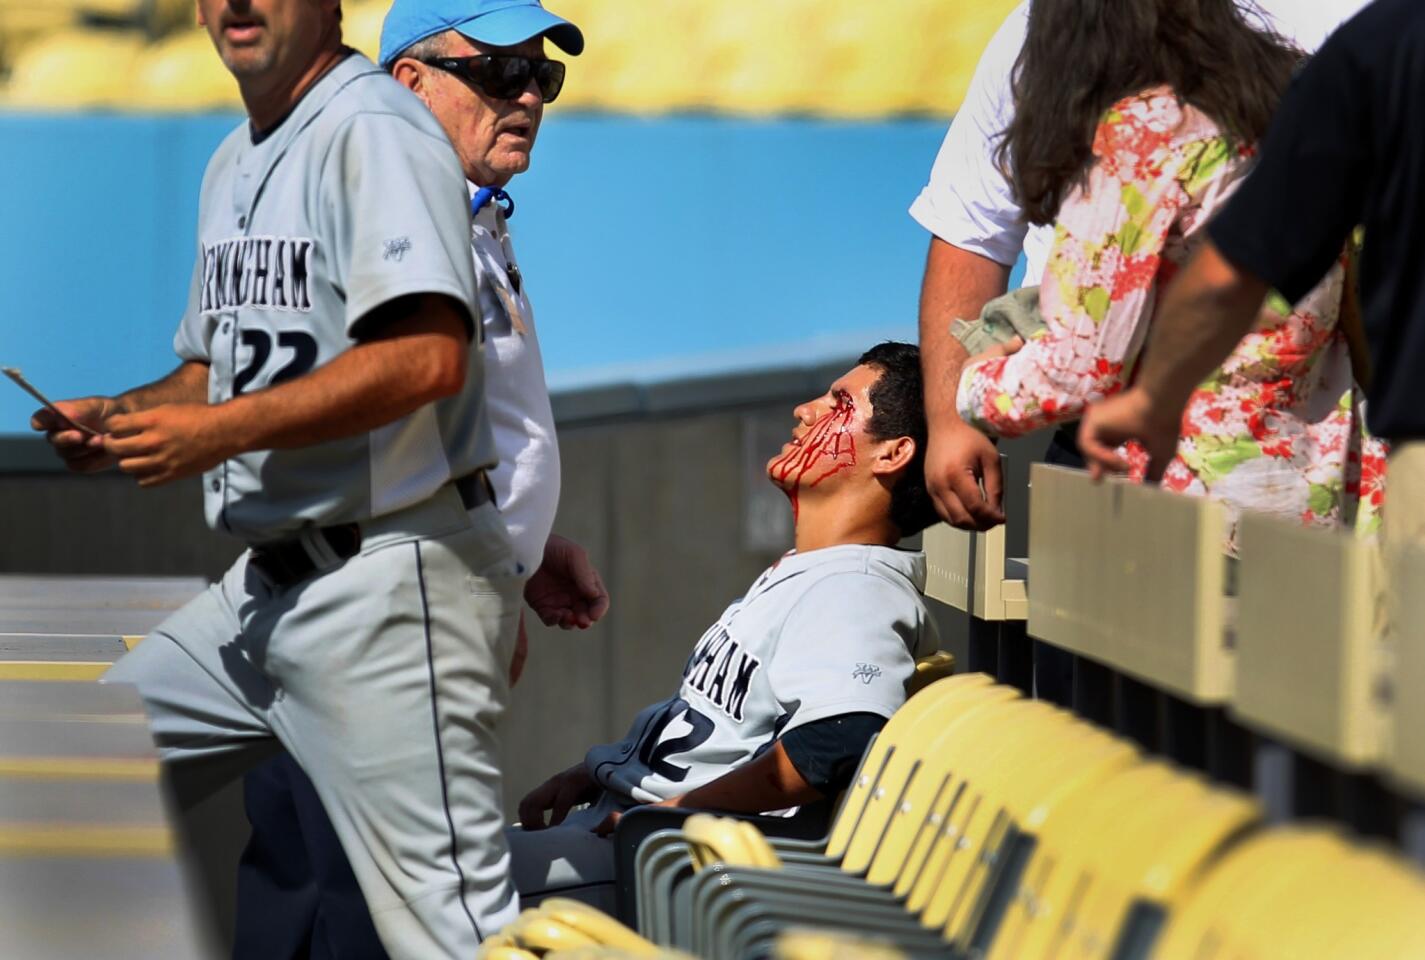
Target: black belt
288,562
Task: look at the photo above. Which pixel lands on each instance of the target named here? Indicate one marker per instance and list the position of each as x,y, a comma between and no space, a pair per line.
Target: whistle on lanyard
512,308
485,194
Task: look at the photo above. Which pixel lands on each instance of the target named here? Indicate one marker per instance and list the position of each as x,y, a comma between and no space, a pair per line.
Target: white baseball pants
385,677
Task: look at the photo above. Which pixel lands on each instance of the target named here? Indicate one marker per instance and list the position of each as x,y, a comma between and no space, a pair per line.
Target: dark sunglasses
505,76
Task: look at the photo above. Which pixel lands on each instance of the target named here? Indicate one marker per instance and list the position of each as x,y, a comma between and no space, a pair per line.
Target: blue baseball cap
498,23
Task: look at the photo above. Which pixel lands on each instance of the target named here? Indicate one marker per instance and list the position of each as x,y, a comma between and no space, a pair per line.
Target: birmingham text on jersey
711,667
258,272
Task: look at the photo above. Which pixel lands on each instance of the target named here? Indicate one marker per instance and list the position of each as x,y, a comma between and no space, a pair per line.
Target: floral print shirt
1279,427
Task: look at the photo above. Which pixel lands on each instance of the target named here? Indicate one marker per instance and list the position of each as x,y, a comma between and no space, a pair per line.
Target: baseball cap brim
513,25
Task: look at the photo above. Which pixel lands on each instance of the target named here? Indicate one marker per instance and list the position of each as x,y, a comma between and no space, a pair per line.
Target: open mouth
521,129
242,30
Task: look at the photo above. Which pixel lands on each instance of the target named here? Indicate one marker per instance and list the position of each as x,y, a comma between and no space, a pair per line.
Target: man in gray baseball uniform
330,392
781,695
296,893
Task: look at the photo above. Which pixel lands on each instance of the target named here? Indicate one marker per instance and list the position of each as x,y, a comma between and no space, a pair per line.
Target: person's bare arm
85,453
187,384
418,356
1206,312
771,782
958,458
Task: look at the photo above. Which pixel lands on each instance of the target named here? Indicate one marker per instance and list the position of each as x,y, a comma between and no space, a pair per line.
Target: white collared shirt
527,478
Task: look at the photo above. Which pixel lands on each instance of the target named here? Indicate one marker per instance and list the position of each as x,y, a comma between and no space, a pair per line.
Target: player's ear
407,73
889,457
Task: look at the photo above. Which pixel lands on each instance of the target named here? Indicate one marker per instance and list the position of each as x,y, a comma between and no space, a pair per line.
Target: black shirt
1347,148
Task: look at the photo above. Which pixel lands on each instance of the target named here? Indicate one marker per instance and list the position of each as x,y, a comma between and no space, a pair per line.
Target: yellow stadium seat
76,68
184,73
872,57
23,24
132,10
923,767
648,63
1051,774
1252,885
763,63
928,670
852,820
1140,838
361,25
1055,879
955,38
987,777
736,843
800,944
169,15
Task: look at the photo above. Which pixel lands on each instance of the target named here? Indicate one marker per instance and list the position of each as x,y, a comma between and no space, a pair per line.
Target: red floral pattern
1279,428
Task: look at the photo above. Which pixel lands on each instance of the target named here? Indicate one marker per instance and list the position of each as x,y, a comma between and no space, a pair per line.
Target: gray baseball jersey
818,635
354,200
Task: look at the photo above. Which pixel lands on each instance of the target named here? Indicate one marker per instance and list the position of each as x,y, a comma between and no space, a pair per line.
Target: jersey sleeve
968,203
1289,221
194,330
849,645
827,751
396,215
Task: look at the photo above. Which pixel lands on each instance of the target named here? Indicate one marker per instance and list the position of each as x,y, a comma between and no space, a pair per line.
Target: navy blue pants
296,895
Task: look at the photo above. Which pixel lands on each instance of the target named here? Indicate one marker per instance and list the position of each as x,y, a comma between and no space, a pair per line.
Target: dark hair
898,410
1080,57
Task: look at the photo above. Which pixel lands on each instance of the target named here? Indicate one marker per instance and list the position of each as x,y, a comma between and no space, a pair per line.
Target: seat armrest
635,826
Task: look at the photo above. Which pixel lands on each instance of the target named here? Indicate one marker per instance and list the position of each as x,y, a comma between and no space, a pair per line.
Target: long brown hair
1080,57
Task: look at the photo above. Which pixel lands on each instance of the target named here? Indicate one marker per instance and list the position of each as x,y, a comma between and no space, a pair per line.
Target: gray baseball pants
385,677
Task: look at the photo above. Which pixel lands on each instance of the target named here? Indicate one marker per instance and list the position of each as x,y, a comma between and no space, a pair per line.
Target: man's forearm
1206,312
771,782
186,384
957,285
366,387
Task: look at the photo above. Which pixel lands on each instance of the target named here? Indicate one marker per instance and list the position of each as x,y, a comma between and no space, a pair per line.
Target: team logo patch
268,272
397,248
866,672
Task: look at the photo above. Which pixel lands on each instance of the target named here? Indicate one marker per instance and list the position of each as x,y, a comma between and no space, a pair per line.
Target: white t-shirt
526,481
969,203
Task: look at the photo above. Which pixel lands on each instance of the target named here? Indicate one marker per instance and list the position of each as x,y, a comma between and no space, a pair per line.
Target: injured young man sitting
782,694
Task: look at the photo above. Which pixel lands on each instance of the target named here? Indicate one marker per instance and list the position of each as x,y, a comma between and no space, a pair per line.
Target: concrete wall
662,484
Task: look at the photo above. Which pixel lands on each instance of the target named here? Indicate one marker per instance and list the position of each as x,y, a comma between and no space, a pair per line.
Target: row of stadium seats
1317,673
828,58
985,824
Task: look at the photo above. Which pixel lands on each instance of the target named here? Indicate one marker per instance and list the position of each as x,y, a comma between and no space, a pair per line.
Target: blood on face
826,449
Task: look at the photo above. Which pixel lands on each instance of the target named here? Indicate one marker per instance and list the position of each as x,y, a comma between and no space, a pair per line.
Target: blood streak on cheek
827,449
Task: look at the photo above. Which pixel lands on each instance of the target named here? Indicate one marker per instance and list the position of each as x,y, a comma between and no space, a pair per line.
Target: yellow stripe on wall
70,840
52,669
126,769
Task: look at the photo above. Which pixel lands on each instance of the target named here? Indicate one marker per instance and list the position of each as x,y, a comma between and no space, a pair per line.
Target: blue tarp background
652,248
